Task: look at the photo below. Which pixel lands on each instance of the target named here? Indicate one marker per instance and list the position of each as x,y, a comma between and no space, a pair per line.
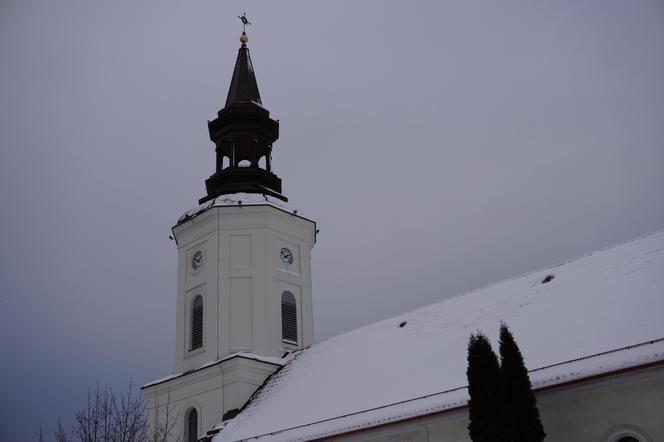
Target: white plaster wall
201,233
589,411
201,390
241,378
242,280
213,391
586,412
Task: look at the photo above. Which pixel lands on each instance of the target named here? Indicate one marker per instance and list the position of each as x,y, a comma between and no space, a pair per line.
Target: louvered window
197,323
192,426
288,318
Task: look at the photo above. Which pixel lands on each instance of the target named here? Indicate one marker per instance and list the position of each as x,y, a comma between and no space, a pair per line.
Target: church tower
244,274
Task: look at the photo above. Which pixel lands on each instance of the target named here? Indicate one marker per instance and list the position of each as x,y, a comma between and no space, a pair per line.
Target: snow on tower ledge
245,355
237,199
596,314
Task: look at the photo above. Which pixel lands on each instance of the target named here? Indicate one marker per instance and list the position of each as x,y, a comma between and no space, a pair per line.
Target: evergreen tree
485,389
520,405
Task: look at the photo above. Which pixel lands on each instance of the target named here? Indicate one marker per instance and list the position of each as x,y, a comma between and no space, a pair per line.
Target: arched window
192,425
197,323
288,318
626,433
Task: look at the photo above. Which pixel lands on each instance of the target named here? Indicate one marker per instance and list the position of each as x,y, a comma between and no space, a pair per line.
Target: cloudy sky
439,145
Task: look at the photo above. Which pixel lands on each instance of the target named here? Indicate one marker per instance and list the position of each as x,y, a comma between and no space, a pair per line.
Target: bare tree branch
161,430
107,418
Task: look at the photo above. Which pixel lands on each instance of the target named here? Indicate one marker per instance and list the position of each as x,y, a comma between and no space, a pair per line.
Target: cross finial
245,22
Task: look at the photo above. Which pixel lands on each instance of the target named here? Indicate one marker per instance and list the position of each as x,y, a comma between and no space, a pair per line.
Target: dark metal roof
244,88
243,134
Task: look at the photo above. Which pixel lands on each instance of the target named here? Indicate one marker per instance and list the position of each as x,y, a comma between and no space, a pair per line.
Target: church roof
598,314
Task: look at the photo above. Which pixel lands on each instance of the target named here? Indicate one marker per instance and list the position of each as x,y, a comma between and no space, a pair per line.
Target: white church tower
244,275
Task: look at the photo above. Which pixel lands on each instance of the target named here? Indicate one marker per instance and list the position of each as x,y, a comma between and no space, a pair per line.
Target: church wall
255,277
242,280
201,390
200,233
212,391
590,411
241,378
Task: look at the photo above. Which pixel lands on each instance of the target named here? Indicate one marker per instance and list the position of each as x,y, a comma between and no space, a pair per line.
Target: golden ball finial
243,38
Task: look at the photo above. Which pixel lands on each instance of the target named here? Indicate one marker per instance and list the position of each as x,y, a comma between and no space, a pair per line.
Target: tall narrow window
288,318
192,426
197,323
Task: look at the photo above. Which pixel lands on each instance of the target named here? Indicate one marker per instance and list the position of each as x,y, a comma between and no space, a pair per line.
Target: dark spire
244,88
243,133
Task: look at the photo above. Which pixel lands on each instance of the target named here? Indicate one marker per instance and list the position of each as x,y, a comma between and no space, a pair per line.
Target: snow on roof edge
457,398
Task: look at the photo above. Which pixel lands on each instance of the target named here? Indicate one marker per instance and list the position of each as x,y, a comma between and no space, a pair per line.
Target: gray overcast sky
440,146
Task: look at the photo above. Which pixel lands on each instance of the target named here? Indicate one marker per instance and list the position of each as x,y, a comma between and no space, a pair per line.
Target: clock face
286,255
197,260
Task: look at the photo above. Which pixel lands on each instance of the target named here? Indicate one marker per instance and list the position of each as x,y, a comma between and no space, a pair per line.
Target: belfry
243,133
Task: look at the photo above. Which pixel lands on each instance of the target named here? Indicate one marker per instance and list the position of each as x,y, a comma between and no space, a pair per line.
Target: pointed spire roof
243,134
244,88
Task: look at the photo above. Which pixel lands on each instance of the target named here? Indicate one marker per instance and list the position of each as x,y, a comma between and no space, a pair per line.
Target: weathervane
243,18
245,22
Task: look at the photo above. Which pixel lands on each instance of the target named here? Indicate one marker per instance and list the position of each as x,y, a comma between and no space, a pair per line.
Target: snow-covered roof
599,313
237,199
